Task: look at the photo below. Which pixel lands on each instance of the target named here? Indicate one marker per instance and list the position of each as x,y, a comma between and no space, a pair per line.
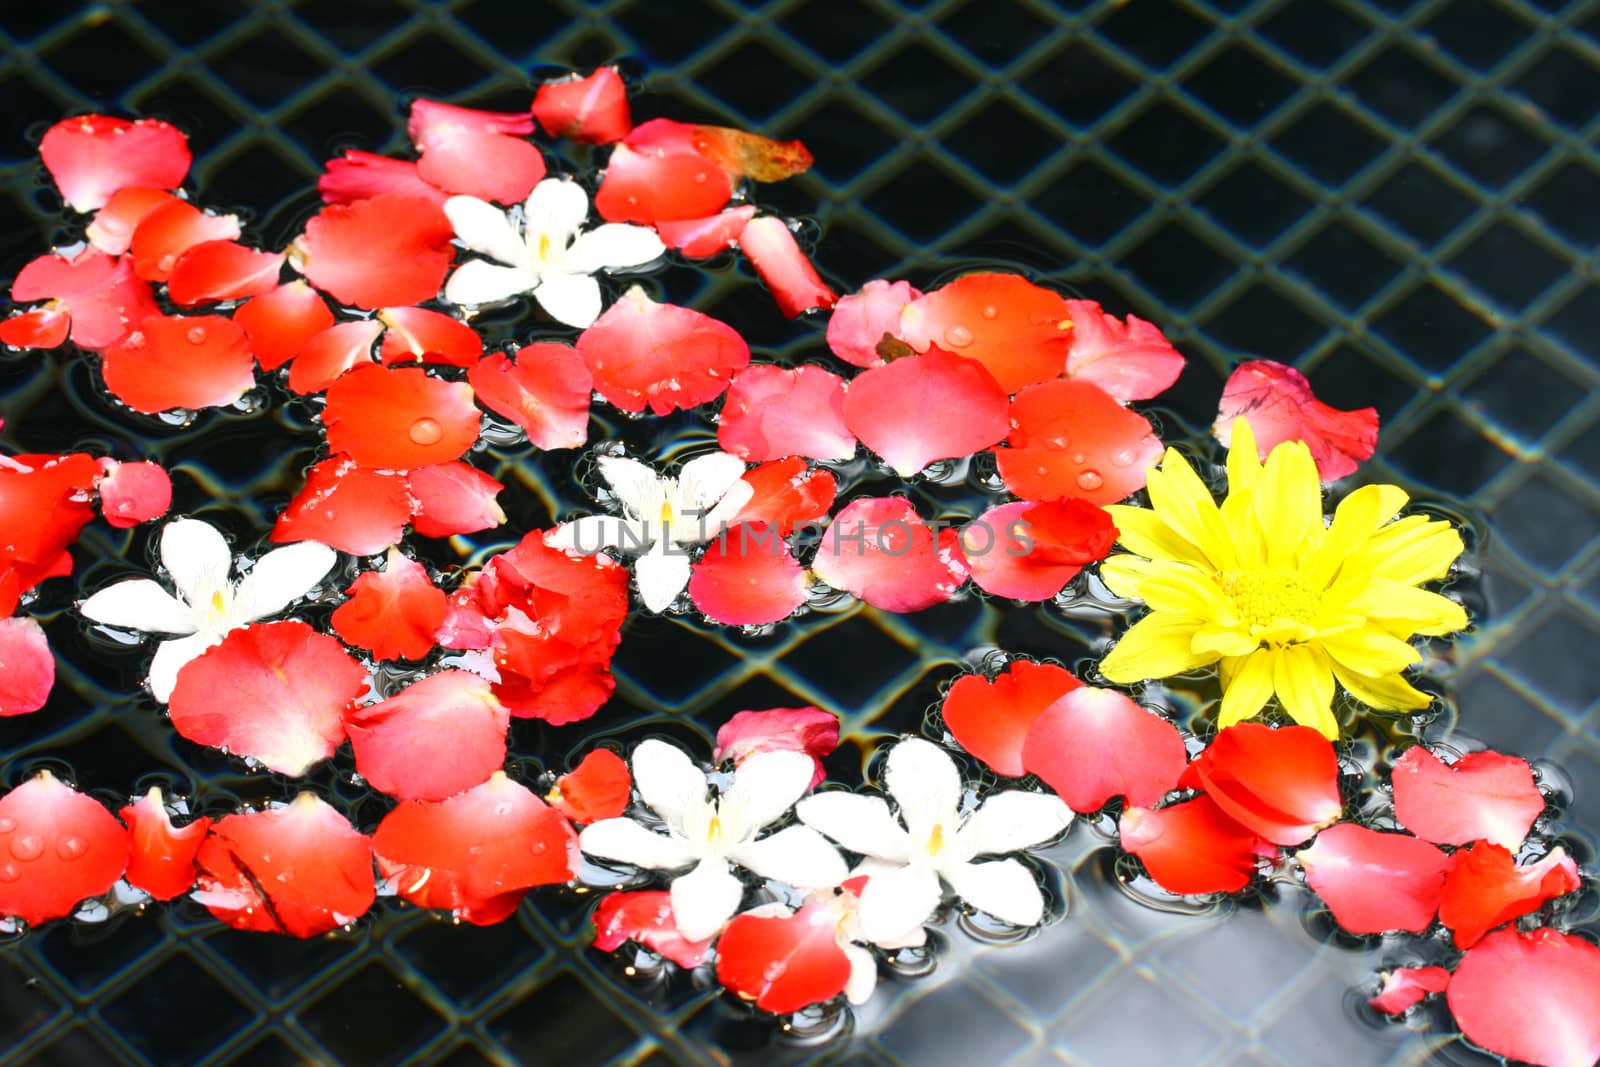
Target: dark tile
1241,84
997,35
1523,394
1555,658
104,61
923,202
1477,32
1254,204
1111,1025
1156,31
666,33
426,65
1546,525
1450,455
75,1048
1489,146
953,1024
277,965
511,28
1577,322
25,1003
210,1015
1177,266
370,1017
1431,327
1402,86
469,964
1002,142
1314,31
917,82
844,139
342,119
668,661
847,30
1343,265
268,1052
1166,144
29,111
1079,84
1264,322
1508,266
1090,203
1565,202
824,659
755,80
1418,202
1503,717
1563,85
1329,144
1349,377
196,110
268,68
562,1022
87,955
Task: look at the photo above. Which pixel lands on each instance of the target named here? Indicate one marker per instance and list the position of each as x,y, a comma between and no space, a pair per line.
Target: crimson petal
646,917
1484,887
279,323
887,408
1278,403
772,412
213,271
393,613
1482,796
599,787
390,251
748,577
162,861
783,963
1375,882
190,362
489,166
770,246
661,355
93,156
399,417
57,847
359,175
1070,438
861,319
435,738
44,327
879,550
786,493
453,498
113,225
1030,551
131,493
27,667
1019,331
990,718
1533,997
1191,847
1131,361
810,730
1405,986
591,110
417,334
327,356
543,387
104,296
168,231
355,509
1090,745
657,174
1281,783
703,238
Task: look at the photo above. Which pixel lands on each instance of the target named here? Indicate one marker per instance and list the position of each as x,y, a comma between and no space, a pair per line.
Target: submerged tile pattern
1395,195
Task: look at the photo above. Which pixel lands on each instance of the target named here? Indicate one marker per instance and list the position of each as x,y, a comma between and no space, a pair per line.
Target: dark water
1396,199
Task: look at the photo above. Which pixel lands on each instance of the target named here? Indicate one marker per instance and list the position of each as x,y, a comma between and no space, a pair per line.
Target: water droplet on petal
165,262
1079,458
27,846
426,432
10,872
196,334
70,848
700,178
1089,481
958,336
990,311
7,825
1123,457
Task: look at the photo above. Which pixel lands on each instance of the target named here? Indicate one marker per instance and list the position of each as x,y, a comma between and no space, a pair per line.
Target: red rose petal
57,848
646,917
112,229
591,110
167,232
702,238
1484,887
131,493
887,408
489,166
669,357
1405,986
879,550
1131,361
279,323
1191,847
162,860
328,355
1071,439
599,787
44,327
388,417
27,666
190,362
1482,796
44,505
1375,882
435,738
349,507
861,320
1278,403
222,270
991,718
783,963
429,118
105,297
1017,330
784,268
288,688
749,155
423,336
1282,783
1031,551
393,613
453,498
772,412
92,156
786,493
748,577
300,870
389,251
359,175
1532,997
1094,744
466,854
657,174
543,388
810,730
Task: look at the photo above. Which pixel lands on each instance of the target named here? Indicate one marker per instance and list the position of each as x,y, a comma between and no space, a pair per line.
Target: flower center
935,843
714,830
1275,605
544,249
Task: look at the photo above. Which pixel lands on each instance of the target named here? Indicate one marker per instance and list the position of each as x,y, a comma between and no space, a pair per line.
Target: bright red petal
113,225
387,417
748,577
162,862
288,688
435,738
167,232
1405,986
770,246
1071,439
300,870
786,494
489,166
389,251
1094,744
355,509
669,357
222,270
592,110
131,493
27,667
189,362
1281,783
1131,361
1531,997
423,336
44,505
645,917
1375,882
453,498
991,718
657,174
702,238
393,613
1278,403
879,550
1191,847
887,408
543,388
1484,887
772,412
44,327
1018,330
862,319
57,848
783,963
430,118
1482,796
1031,551
326,356
810,730
359,175
599,787
105,297
279,323
92,156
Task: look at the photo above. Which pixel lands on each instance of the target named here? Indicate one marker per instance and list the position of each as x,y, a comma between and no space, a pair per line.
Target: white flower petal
897,902
765,786
662,574
732,502
477,281
557,208
484,228
197,557
1004,888
631,482
1011,821
571,299
668,781
626,841
704,899
280,576
797,855
613,246
861,824
139,604
590,534
863,974
170,658
924,781
706,479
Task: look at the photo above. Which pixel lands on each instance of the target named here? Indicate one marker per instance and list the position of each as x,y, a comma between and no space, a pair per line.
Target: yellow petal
1411,551
1389,692
1356,519
1288,503
1181,590
1186,505
1154,647
1249,688
1304,681
1369,651
1244,457
1142,532
1124,573
1223,641
1239,517
1419,610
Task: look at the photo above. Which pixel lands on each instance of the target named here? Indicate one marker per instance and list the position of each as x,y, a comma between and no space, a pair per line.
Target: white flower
547,252
931,840
662,517
208,604
713,832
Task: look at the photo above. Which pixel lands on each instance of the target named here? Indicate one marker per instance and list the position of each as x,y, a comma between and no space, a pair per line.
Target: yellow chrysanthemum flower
1282,603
